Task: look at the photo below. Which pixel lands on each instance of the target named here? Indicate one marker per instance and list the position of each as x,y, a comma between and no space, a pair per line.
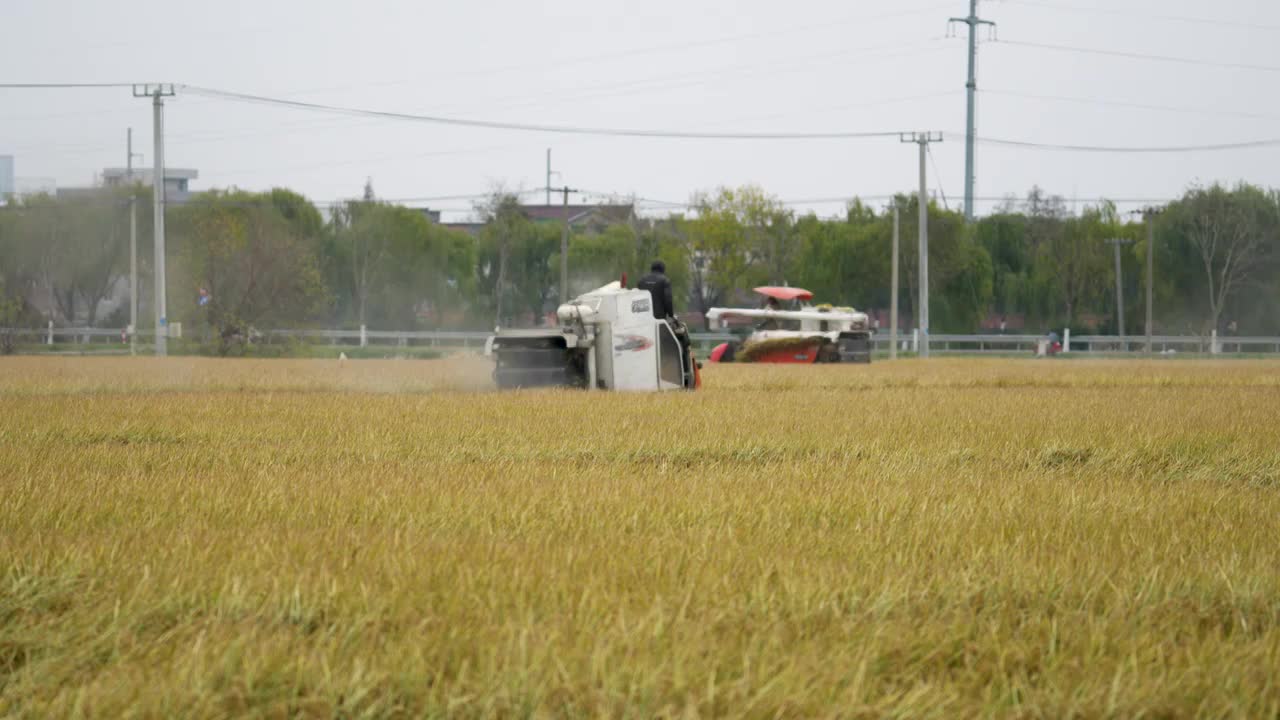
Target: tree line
238,260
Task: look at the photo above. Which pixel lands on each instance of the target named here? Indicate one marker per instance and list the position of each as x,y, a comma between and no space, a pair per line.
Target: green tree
1073,261
251,260
1234,236
394,268
739,236
845,262
12,313
1004,236
452,272
506,230
596,258
75,246
960,288
365,232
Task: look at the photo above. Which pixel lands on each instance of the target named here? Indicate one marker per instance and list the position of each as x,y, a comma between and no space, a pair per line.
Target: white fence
104,339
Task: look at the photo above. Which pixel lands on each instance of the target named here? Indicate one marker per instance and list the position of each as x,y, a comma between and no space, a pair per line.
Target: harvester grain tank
607,339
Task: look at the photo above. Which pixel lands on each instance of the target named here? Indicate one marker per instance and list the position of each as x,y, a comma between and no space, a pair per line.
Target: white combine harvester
608,339
805,334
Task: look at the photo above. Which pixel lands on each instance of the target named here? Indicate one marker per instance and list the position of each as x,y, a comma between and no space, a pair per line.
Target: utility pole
922,201
1151,252
973,21
564,247
548,185
1116,243
133,246
893,290
158,93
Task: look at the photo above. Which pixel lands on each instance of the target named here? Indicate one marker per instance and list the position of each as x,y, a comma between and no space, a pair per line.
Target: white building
176,180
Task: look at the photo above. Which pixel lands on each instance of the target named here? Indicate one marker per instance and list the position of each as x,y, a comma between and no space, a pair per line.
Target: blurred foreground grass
200,537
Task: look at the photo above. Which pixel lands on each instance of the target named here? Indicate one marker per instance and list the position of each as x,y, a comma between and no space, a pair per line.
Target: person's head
658,266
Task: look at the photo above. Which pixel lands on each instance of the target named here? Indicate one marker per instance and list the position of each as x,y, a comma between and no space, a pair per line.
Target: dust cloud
69,375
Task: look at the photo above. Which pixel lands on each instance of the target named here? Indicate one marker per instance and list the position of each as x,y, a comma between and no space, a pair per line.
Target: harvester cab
607,339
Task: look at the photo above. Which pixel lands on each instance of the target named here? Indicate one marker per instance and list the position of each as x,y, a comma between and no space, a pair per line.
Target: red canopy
785,293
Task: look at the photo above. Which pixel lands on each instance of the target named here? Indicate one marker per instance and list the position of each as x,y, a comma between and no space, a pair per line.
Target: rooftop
615,213
144,174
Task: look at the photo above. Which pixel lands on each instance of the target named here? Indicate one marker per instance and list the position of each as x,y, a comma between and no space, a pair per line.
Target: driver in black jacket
664,308
659,287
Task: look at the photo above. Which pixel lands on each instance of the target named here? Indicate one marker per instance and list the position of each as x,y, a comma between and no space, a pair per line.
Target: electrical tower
973,21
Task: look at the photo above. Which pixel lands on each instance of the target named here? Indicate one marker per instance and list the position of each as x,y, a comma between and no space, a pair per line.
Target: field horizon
953,537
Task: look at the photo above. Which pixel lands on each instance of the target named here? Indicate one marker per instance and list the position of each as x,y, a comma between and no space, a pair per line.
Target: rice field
947,538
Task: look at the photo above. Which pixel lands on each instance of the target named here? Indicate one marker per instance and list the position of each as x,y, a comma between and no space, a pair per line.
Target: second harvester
801,333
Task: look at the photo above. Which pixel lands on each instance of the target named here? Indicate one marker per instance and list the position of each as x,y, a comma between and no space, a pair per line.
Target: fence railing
703,341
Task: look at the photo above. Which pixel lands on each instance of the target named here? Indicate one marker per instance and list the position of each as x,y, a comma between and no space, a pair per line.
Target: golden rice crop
212,538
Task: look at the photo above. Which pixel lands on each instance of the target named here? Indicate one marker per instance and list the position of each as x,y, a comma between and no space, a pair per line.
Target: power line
1040,4
612,89
62,86
400,157
529,127
1141,56
1217,147
94,150
684,134
1140,106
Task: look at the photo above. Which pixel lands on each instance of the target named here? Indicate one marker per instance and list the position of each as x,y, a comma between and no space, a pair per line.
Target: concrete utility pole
564,247
1116,243
893,291
133,247
548,186
1151,252
922,310
973,21
158,93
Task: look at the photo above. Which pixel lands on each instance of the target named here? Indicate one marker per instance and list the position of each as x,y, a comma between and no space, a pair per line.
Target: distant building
432,215
176,180
35,186
8,185
177,188
581,217
592,216
472,228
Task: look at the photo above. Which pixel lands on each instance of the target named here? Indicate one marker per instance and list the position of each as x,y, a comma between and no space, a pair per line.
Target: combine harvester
806,334
608,339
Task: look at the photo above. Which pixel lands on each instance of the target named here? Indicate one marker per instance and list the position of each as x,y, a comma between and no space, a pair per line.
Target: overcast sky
752,65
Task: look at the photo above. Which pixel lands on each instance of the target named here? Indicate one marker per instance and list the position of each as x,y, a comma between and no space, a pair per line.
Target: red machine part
800,356
784,293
